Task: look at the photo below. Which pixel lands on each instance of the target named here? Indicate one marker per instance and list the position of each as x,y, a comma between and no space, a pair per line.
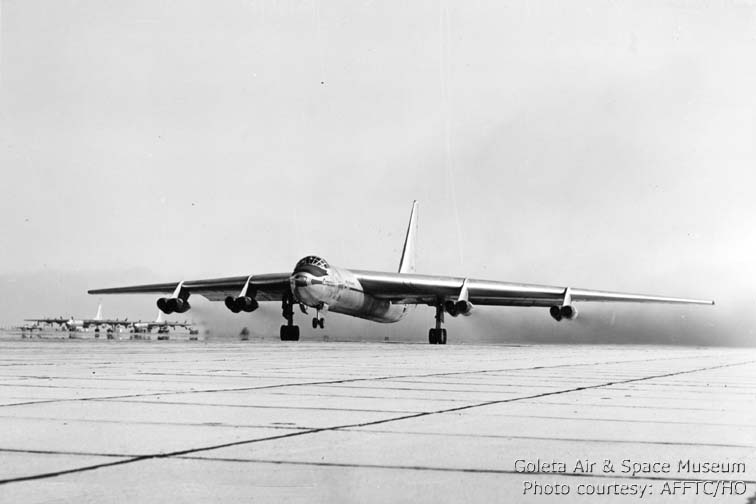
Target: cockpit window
312,261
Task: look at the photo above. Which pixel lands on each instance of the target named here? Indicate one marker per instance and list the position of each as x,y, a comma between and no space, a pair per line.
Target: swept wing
268,287
403,288
406,288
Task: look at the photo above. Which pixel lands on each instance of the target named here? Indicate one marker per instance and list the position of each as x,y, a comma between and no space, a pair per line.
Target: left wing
402,288
58,320
171,324
268,287
111,322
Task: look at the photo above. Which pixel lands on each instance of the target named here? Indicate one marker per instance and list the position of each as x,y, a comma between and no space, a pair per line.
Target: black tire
432,337
315,323
289,333
321,323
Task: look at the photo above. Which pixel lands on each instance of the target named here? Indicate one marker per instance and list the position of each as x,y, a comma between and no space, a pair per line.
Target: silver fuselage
338,290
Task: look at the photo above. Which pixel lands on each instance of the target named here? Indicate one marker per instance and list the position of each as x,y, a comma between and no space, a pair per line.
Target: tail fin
407,263
99,312
159,317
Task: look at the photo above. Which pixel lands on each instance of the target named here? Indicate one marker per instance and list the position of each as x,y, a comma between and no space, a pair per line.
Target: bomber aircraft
73,324
374,295
163,326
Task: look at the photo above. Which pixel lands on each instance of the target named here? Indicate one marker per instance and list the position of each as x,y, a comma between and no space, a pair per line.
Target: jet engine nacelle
173,305
464,307
458,308
451,308
241,303
568,312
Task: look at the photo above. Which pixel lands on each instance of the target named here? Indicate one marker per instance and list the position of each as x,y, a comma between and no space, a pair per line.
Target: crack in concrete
180,453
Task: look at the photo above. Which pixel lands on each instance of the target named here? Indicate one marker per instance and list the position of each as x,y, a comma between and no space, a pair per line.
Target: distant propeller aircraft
162,326
73,324
376,296
76,325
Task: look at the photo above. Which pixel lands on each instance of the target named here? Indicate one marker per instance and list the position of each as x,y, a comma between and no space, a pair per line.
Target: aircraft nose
300,281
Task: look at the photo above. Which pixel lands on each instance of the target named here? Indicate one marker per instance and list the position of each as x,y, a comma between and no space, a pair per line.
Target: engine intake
458,308
568,312
241,303
464,307
173,305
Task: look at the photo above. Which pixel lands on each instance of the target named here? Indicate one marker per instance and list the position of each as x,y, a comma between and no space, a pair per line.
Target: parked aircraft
163,326
76,325
140,326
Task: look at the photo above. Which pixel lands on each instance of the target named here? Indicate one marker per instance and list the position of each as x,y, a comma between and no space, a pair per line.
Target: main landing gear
289,332
437,335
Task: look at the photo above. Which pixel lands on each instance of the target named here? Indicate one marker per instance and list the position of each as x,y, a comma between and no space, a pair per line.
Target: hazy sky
600,144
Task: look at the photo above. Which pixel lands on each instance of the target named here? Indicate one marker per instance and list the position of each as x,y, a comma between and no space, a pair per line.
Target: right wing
269,287
402,288
173,324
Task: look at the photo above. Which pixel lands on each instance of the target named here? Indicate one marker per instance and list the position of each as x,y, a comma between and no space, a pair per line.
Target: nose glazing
314,265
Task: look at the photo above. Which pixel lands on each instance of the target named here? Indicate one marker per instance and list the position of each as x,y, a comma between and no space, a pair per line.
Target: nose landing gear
319,321
437,335
289,332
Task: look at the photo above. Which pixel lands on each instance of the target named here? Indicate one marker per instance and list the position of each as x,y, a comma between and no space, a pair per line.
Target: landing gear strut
318,321
437,336
289,332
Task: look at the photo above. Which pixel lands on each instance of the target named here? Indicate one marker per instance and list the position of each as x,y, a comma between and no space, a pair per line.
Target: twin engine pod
458,308
241,303
173,305
568,312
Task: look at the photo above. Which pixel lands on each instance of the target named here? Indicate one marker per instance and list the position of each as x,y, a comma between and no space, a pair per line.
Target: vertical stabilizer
99,312
407,263
159,317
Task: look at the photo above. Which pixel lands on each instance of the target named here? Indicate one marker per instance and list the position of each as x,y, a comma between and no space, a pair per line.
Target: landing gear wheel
318,322
289,333
321,323
437,336
314,323
441,340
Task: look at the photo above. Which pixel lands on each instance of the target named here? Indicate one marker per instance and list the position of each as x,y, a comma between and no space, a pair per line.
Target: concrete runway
132,421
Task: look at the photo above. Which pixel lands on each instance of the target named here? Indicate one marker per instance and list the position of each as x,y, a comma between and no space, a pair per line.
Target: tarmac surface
194,421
